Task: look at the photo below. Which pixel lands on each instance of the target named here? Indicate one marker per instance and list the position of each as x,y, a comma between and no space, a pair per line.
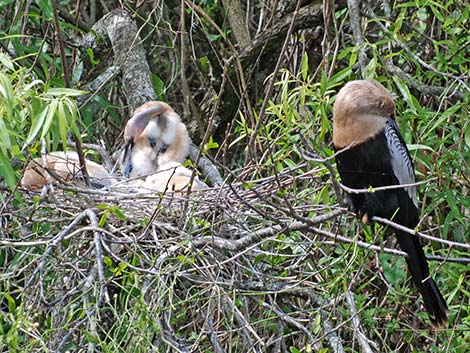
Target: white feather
400,159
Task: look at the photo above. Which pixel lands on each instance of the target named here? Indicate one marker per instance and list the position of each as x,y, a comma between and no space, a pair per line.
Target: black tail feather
434,302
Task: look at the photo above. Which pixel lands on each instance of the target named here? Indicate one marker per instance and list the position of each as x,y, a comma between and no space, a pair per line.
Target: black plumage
373,154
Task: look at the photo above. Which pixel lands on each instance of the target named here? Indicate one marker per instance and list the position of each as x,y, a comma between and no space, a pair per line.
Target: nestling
66,167
154,135
156,144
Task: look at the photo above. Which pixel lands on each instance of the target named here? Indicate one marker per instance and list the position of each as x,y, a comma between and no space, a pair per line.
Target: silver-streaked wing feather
400,159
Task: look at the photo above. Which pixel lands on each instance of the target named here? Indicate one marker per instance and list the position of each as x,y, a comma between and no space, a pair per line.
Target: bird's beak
126,158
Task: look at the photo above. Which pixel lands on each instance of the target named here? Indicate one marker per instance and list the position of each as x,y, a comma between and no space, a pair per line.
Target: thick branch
118,28
236,17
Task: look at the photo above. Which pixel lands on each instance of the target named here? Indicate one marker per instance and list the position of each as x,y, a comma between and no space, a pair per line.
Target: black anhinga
373,155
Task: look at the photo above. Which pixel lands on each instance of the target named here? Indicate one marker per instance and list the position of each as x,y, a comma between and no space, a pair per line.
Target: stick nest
238,267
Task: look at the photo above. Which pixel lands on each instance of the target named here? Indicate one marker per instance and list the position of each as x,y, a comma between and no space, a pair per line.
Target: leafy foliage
31,111
161,289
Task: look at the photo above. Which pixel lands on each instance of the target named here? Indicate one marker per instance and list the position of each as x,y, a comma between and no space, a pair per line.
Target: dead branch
357,327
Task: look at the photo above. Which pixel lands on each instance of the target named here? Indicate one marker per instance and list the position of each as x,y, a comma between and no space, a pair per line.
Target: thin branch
434,91
99,255
251,143
355,20
357,327
57,239
78,146
450,243
424,64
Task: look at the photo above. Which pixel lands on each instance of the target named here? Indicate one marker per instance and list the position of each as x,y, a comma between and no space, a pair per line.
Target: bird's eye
164,148
152,142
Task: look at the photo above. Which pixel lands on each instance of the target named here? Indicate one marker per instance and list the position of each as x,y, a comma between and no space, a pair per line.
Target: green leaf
7,170
119,213
467,135
63,124
444,116
5,142
304,67
65,92
393,268
6,94
405,92
38,121
416,146
51,112
104,218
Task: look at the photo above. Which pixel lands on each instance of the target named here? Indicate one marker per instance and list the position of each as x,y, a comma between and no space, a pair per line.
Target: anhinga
156,144
64,166
154,135
371,153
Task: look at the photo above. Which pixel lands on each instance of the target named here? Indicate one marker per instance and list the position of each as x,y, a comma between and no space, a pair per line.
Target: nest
202,262
241,267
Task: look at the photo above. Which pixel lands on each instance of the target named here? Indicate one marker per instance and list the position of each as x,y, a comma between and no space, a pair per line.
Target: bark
118,29
236,17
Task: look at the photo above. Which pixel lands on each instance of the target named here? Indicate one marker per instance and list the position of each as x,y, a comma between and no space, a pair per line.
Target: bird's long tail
434,302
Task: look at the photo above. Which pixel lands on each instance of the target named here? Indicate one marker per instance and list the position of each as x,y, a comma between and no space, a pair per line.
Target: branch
450,243
250,154
355,20
56,240
434,91
118,29
459,79
357,327
78,145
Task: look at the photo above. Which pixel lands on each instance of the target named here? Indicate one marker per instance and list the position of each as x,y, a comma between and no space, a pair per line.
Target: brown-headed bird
153,136
374,154
156,144
65,167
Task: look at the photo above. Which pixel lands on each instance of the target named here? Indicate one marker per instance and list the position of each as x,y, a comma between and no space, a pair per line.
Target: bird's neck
355,129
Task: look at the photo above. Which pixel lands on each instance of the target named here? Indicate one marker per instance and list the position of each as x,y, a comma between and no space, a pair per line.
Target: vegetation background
267,261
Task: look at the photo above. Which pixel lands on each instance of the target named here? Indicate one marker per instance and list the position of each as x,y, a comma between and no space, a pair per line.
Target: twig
57,239
421,235
291,321
99,255
382,188
252,237
251,143
357,327
78,146
355,20
205,165
331,334
243,321
424,64
69,333
211,311
419,86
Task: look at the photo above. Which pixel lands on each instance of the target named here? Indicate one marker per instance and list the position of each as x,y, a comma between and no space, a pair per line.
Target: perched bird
371,153
154,135
156,143
63,167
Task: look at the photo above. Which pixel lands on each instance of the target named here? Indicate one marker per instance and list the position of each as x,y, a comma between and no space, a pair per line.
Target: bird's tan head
152,128
360,111
154,112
